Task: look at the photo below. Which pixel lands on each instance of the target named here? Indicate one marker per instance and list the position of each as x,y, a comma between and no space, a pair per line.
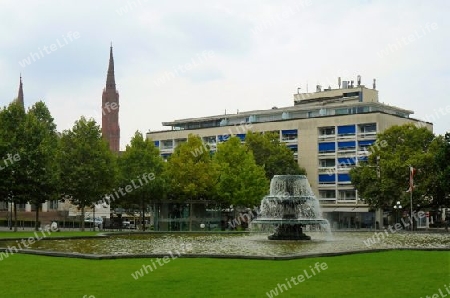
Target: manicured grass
385,274
26,234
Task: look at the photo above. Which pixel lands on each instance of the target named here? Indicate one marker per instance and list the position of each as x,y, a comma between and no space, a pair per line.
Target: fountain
290,206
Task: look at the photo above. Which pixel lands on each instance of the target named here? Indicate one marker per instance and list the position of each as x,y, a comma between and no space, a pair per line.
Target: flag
412,172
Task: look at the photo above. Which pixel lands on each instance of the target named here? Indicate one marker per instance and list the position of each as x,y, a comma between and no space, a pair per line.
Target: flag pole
412,220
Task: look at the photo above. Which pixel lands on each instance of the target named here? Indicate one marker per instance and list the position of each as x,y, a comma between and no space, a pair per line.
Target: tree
241,182
272,155
384,179
141,162
39,160
88,167
442,160
13,175
190,175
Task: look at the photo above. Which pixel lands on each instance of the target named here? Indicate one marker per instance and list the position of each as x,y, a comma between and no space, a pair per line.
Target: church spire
110,79
20,94
110,108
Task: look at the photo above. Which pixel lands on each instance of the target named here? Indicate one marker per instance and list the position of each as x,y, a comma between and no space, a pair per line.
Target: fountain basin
236,244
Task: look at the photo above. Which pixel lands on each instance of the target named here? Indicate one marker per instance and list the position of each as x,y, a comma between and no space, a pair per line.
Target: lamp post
397,206
379,180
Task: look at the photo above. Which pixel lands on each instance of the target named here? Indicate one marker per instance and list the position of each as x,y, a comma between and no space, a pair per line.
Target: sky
183,59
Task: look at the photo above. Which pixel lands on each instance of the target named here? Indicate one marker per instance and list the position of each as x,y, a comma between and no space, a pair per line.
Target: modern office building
329,131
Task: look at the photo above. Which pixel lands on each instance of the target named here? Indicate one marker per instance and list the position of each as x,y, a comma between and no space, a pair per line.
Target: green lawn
386,274
26,234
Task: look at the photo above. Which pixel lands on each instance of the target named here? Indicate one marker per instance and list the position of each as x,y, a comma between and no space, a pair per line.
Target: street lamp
397,206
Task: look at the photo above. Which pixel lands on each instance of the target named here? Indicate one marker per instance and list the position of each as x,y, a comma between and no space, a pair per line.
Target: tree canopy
384,179
241,181
272,155
140,173
88,167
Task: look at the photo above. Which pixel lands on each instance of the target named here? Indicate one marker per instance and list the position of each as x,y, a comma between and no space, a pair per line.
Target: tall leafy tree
39,160
384,179
241,182
442,159
141,168
272,155
88,167
13,175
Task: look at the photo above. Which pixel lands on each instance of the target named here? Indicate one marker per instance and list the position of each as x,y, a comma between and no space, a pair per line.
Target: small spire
20,94
110,79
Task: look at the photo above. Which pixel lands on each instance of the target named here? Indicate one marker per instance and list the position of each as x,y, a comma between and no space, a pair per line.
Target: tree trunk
143,214
82,218
15,217
36,226
190,216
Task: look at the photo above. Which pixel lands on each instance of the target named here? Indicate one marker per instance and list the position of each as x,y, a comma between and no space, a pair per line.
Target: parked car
126,224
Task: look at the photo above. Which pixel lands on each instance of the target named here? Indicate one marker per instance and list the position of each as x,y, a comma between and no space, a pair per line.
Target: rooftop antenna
374,86
298,90
339,82
358,78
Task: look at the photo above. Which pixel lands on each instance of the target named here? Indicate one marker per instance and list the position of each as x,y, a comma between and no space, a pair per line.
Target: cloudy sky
182,59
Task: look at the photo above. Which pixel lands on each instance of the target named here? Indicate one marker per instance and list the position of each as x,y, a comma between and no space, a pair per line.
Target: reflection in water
236,244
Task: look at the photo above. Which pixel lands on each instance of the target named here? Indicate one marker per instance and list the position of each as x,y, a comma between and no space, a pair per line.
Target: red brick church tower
110,109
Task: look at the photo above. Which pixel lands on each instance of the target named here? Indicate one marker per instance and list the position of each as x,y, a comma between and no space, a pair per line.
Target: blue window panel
330,146
366,142
289,132
327,178
223,138
292,147
344,178
363,158
241,136
346,130
347,161
349,144
156,143
166,154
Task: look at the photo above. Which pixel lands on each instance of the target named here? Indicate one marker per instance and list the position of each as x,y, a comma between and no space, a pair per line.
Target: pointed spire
20,94
110,79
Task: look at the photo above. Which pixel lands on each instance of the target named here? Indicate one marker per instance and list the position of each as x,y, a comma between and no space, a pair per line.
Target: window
346,162
327,194
167,144
209,139
223,138
346,145
312,114
327,131
346,130
368,128
327,147
289,135
327,178
347,195
364,145
343,111
351,94
241,136
53,204
344,179
327,163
